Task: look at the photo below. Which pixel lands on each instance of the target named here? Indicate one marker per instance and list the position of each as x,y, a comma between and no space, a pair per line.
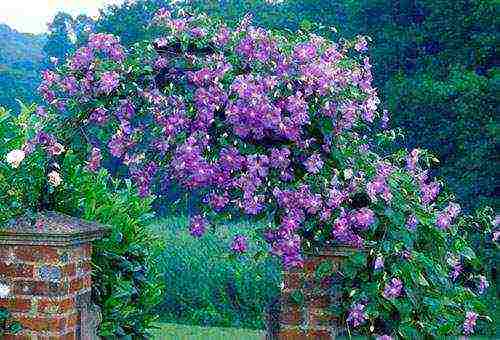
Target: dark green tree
21,56
436,65
130,20
82,26
61,37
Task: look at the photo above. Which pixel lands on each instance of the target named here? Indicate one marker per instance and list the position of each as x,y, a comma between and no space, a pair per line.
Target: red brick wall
48,287
310,319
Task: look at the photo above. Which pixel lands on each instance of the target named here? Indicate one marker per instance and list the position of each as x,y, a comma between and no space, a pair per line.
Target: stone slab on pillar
45,261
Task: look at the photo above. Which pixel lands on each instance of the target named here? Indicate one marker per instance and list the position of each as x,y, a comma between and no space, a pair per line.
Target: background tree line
435,64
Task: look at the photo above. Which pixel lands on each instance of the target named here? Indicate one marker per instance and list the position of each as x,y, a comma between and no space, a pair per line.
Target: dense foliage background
21,57
435,64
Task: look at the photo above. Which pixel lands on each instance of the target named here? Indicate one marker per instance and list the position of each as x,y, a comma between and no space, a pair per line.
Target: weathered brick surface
292,315
310,319
16,337
16,304
291,334
17,270
83,268
54,324
50,284
69,270
292,280
319,318
44,254
55,305
40,288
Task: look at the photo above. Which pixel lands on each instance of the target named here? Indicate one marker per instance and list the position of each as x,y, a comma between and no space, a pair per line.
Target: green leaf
4,314
358,259
306,25
445,329
324,269
297,297
15,327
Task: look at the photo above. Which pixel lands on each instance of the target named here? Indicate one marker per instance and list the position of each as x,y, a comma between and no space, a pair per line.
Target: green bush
455,117
22,173
205,286
7,324
127,284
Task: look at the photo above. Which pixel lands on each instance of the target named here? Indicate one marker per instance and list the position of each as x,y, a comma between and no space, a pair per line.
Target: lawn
169,331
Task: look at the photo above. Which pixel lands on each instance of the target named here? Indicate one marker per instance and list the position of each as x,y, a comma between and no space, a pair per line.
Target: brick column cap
50,229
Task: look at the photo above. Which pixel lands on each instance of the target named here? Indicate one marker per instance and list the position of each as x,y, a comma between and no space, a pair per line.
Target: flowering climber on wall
286,129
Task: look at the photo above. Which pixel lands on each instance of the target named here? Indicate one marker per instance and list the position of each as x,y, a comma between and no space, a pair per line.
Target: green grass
205,285
186,332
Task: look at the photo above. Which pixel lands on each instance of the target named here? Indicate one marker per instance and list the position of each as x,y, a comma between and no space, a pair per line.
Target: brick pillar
301,312
46,263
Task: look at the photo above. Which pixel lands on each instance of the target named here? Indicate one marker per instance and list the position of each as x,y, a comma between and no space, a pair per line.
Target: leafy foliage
59,41
21,57
127,283
7,323
22,181
208,287
283,128
129,21
437,69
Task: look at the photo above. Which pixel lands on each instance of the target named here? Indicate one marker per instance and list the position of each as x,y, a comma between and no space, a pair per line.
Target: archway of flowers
284,128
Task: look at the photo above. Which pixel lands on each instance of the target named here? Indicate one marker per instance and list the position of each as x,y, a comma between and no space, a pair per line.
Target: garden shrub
207,287
7,324
21,180
127,283
284,129
459,124
37,173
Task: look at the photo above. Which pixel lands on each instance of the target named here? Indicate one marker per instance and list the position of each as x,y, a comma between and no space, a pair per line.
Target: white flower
4,290
15,157
348,173
54,178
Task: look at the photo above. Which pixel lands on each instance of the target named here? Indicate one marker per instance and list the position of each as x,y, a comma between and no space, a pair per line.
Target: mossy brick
40,288
318,335
16,304
70,335
16,337
291,334
80,283
319,301
83,298
310,318
319,317
83,268
292,280
72,320
34,253
51,229
43,324
69,270
49,271
16,270
292,315
55,305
